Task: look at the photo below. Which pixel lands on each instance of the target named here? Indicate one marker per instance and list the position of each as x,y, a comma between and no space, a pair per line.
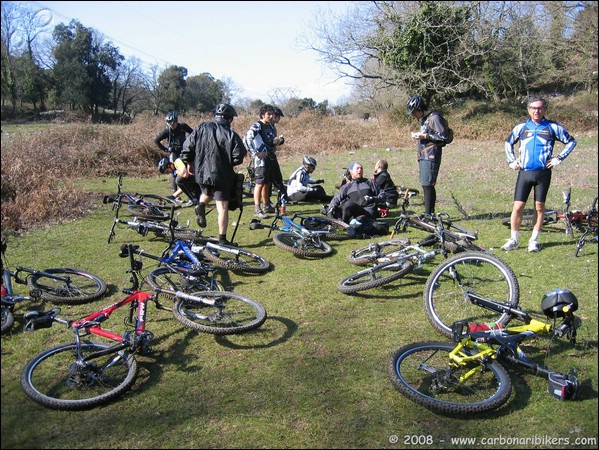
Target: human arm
161,137
513,162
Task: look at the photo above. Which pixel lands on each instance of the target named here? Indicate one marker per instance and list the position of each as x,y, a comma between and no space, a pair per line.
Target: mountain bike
589,228
468,376
158,227
488,275
82,374
395,258
57,285
304,237
147,206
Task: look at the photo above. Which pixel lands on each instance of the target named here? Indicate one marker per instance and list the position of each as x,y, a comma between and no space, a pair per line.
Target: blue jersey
536,143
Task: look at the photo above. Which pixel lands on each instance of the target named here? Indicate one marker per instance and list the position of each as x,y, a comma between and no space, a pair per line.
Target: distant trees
447,50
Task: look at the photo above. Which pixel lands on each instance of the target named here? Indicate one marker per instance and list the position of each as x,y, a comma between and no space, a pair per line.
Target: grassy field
314,375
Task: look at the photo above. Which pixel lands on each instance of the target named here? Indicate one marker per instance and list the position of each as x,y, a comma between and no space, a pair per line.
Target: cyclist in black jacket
175,133
210,152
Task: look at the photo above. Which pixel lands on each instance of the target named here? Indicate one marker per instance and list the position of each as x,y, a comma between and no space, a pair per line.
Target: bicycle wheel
484,274
147,212
81,286
315,248
336,229
377,251
157,201
57,379
234,258
375,276
171,280
219,313
8,318
423,374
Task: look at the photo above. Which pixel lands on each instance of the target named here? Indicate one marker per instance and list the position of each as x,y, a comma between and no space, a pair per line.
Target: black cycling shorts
529,179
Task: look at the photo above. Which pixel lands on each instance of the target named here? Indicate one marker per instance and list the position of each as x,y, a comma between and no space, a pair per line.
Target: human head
537,107
225,111
163,165
172,118
356,170
381,165
267,113
309,163
416,103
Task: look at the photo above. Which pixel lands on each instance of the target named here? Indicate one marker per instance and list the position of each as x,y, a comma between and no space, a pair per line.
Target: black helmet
309,161
553,302
171,117
163,164
225,110
278,112
416,103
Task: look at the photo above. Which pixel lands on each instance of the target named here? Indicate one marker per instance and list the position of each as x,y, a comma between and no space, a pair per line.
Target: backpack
236,200
449,139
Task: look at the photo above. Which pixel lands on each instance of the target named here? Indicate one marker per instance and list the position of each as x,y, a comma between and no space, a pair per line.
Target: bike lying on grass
305,237
468,376
147,206
56,285
395,258
83,374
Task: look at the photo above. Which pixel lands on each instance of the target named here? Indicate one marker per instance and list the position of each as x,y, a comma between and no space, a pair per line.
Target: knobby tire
83,287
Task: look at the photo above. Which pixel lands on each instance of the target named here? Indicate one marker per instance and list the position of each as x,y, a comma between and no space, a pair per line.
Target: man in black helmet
431,138
210,153
175,134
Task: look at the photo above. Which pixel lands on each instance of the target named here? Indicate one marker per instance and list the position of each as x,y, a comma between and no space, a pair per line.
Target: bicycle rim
169,279
421,372
236,259
375,276
483,273
222,313
57,380
83,286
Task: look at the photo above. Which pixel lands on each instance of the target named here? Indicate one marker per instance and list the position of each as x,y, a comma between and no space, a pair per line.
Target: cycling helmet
554,302
225,110
172,117
416,103
163,164
309,161
278,112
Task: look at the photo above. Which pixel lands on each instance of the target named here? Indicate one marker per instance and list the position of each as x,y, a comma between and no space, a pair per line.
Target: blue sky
255,44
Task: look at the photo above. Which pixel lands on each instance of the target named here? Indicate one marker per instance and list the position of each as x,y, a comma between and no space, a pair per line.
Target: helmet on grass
416,103
554,302
309,161
171,117
163,164
225,110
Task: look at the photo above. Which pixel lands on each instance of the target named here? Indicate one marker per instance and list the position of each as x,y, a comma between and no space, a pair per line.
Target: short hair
352,166
382,163
537,99
266,108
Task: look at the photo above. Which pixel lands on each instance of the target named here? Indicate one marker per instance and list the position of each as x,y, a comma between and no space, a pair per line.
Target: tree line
444,51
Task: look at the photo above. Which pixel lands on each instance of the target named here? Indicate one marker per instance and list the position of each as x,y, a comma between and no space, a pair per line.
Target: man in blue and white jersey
534,164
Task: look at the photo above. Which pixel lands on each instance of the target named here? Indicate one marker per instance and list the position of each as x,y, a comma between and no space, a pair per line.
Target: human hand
319,181
554,162
514,165
418,135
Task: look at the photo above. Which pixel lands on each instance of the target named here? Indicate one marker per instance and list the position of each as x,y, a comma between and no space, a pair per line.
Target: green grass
314,375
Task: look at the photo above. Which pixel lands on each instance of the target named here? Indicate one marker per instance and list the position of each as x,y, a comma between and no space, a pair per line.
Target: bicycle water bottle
283,206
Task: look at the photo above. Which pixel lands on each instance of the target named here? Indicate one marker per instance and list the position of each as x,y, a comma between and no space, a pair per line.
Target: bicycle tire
371,278
158,201
147,212
168,278
421,372
528,220
230,314
430,224
485,274
8,318
65,384
300,247
336,229
374,252
236,259
83,286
